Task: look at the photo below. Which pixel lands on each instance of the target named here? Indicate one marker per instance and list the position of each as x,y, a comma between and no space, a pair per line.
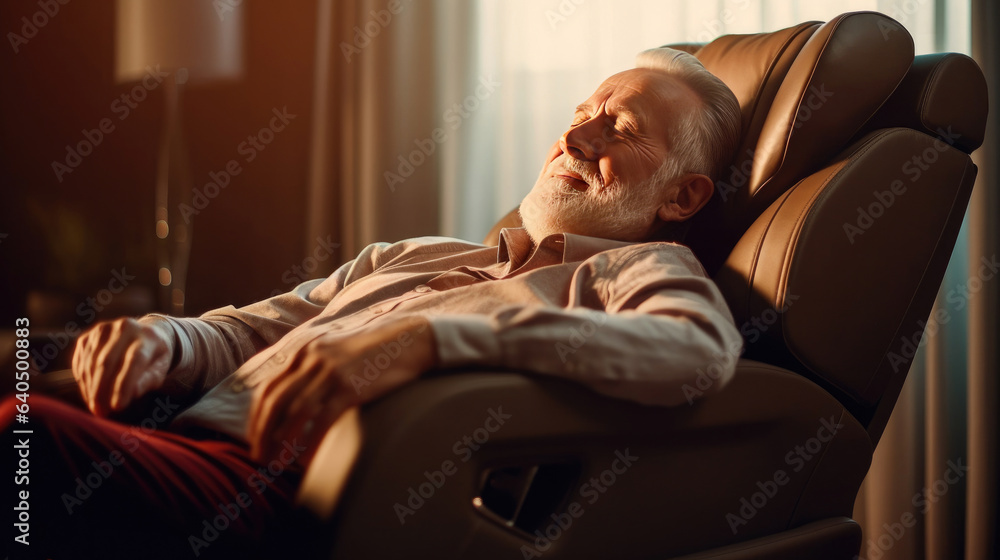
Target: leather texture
831,88
943,95
753,66
845,254
685,476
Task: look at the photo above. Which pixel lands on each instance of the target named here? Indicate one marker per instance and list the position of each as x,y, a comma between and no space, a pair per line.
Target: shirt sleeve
214,345
664,338
210,347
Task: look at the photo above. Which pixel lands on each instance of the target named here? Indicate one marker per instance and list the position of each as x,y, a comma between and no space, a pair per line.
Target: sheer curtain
445,112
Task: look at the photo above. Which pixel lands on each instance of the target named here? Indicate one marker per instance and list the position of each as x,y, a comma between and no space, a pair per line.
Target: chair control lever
522,497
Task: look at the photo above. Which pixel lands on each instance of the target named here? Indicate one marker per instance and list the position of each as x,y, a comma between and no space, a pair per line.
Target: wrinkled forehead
643,88
657,96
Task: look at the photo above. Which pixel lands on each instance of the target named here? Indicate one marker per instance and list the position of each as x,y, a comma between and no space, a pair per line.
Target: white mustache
581,168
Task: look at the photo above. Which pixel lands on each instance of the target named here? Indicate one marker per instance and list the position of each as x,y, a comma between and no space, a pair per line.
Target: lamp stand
173,188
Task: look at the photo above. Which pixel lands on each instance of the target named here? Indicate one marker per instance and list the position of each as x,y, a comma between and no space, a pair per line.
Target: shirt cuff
466,340
183,359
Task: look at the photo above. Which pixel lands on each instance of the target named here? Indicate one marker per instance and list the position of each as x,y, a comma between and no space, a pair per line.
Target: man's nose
583,141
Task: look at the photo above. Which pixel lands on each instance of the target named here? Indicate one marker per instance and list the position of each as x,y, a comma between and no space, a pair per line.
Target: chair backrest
805,92
831,233
831,236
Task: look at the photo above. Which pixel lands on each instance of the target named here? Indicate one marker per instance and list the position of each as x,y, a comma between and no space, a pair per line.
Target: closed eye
627,120
581,114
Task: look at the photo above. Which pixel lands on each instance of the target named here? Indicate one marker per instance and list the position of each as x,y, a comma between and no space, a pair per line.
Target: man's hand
116,362
330,375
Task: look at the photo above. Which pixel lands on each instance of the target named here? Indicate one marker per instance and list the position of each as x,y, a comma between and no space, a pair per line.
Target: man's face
605,176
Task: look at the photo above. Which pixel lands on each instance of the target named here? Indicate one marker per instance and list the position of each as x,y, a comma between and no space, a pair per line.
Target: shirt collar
515,247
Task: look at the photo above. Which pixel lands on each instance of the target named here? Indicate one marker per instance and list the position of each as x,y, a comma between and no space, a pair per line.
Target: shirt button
377,311
423,288
278,358
238,386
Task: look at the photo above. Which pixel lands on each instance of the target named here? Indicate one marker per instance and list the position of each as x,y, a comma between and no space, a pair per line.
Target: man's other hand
116,362
330,375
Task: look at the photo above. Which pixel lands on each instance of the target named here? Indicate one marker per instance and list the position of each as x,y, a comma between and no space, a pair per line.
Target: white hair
707,141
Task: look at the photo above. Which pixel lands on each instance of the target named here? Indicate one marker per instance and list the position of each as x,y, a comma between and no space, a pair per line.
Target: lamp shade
203,36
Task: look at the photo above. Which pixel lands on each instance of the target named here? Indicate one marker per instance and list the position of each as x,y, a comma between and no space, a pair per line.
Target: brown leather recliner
829,240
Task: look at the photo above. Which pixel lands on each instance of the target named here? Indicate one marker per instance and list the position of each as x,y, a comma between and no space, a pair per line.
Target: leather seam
752,273
797,226
801,98
812,74
774,63
932,82
757,252
822,192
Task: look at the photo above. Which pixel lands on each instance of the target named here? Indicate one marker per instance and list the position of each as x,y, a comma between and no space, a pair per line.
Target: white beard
616,211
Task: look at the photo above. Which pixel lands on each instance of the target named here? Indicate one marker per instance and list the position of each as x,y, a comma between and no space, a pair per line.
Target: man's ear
686,196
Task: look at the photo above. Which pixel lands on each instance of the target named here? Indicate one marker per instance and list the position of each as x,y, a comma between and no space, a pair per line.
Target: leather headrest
805,92
843,74
753,66
943,95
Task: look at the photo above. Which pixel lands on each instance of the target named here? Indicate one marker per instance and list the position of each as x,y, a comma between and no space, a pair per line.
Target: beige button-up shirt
634,321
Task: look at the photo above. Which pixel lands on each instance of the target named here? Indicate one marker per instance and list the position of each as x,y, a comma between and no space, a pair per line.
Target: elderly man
267,380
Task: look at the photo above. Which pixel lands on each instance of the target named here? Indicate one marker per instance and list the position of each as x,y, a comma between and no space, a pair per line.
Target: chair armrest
671,477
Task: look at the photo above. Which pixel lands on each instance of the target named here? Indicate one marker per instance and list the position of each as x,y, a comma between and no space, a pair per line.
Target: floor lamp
195,42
